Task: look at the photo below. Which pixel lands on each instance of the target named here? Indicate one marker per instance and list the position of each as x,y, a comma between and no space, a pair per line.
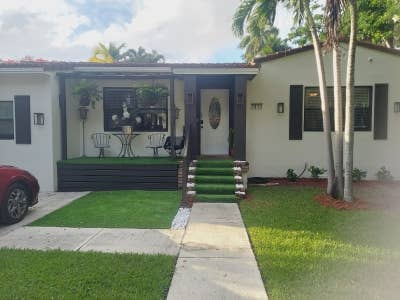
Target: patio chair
101,141
179,145
156,141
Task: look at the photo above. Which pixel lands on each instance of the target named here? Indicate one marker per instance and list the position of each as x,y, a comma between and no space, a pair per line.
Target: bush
359,175
384,174
316,172
291,175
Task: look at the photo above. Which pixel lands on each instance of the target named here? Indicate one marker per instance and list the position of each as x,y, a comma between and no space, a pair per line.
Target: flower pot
127,129
84,101
83,111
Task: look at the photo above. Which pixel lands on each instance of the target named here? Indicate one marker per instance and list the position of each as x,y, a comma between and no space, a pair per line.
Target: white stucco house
272,107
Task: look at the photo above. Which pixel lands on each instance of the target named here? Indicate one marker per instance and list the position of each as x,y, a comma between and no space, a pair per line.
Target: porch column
239,135
172,114
191,122
63,116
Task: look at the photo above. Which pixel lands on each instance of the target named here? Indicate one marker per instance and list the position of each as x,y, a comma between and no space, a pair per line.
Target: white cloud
183,30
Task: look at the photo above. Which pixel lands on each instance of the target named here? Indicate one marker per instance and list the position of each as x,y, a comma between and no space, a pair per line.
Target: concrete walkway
216,260
115,240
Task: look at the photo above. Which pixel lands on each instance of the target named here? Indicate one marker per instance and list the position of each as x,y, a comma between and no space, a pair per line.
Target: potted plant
151,95
125,121
88,93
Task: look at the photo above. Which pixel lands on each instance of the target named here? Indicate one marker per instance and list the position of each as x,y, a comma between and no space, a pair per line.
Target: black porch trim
381,111
63,116
240,91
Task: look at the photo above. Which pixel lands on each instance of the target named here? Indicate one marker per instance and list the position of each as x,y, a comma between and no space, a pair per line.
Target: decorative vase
127,129
83,111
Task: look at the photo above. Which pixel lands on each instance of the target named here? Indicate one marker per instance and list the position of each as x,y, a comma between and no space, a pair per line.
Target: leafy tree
142,56
253,26
262,42
114,53
104,54
376,21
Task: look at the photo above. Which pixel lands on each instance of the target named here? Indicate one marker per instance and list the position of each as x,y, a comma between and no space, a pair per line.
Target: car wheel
15,206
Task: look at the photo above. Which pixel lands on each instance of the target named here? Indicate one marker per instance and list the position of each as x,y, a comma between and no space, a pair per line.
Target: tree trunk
349,126
324,98
338,102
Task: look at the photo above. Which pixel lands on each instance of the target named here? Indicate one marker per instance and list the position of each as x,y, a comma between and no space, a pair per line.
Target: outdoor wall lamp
397,107
177,111
240,98
189,98
38,119
280,108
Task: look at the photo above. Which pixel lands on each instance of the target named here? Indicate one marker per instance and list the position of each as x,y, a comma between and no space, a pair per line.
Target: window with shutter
6,120
362,109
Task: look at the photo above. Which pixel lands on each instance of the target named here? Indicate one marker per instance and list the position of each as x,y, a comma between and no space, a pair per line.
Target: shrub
316,171
384,174
291,175
359,175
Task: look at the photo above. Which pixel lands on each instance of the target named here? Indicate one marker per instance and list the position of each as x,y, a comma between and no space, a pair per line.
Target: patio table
126,140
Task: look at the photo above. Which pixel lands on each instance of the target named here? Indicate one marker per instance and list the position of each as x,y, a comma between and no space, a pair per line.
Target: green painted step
214,179
216,198
214,164
214,171
215,189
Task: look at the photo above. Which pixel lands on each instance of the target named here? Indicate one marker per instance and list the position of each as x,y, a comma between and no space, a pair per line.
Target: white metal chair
101,141
156,141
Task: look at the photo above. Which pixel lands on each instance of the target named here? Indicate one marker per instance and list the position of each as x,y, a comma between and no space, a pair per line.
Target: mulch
328,201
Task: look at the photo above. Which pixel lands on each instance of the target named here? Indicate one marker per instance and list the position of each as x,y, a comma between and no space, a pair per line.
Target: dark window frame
9,136
370,103
108,128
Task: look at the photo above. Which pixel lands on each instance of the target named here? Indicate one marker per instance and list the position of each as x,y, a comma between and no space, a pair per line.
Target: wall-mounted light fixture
240,99
189,98
397,107
177,111
280,108
38,119
256,106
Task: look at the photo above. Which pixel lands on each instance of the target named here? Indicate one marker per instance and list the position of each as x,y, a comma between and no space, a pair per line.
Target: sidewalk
216,260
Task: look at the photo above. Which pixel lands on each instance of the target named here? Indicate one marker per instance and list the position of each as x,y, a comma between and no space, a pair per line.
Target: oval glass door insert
214,113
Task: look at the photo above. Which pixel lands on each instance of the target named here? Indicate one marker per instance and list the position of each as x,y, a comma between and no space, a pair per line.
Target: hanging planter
151,96
83,112
88,94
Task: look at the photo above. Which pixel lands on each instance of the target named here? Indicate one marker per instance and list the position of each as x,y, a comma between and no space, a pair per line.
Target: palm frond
241,15
334,10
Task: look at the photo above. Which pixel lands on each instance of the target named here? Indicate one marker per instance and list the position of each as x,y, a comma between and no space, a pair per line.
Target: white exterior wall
95,120
39,157
269,150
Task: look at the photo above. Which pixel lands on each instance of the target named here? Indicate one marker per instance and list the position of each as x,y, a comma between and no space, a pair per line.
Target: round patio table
126,140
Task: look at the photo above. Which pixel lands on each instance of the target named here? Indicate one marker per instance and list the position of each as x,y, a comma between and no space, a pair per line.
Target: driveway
48,202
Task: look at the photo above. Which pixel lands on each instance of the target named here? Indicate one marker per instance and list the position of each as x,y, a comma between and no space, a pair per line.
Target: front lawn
27,274
113,209
306,251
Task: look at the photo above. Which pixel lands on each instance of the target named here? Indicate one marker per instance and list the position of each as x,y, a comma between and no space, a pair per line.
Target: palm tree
263,12
104,54
349,126
334,10
142,56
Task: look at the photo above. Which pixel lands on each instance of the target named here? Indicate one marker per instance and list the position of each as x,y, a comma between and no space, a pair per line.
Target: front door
214,122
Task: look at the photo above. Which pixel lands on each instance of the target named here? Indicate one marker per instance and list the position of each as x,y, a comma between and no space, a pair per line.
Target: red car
18,190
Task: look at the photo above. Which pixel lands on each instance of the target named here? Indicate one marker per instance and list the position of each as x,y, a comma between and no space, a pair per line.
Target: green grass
27,274
203,188
214,171
215,179
125,209
121,160
306,251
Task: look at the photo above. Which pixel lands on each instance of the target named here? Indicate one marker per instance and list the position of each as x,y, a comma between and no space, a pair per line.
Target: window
6,120
362,109
144,116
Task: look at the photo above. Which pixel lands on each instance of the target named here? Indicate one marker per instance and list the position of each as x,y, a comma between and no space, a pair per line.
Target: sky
68,30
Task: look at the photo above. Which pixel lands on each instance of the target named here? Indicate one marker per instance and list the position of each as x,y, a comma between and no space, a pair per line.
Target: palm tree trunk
349,126
338,192
324,98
